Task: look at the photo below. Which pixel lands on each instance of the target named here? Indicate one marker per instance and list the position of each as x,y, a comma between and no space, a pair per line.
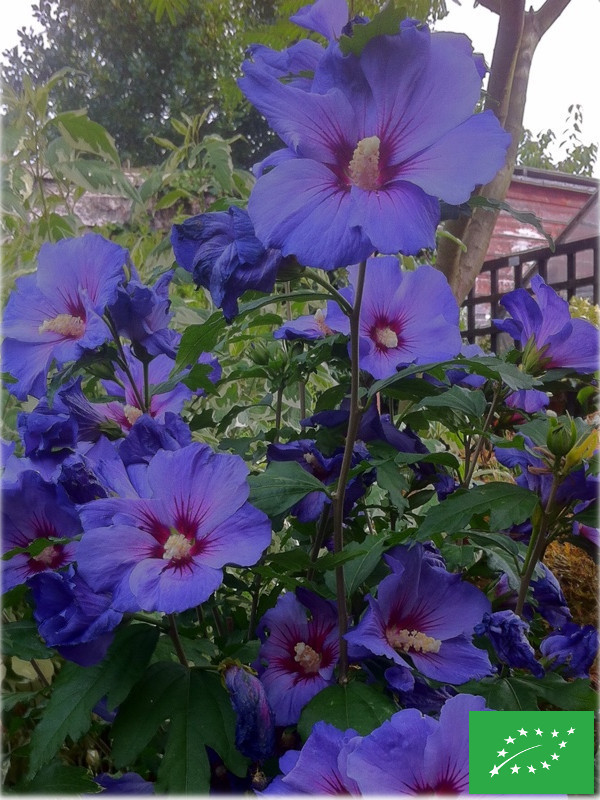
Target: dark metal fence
571,269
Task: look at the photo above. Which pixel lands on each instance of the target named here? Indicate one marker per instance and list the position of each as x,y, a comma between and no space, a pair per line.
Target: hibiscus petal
300,208
159,587
399,217
468,155
435,88
446,758
457,661
326,17
313,125
390,759
195,483
240,539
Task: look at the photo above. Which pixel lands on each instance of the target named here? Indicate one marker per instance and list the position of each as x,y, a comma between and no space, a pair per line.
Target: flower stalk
340,493
537,544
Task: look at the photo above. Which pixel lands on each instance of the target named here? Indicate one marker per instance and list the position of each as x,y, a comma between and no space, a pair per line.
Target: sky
564,71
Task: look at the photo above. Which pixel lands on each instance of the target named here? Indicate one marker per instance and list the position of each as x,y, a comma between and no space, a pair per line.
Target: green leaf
132,730
503,694
12,699
94,176
358,569
444,458
576,695
470,402
281,486
54,227
77,690
477,201
199,378
218,160
302,295
355,705
386,22
170,198
390,478
21,639
488,366
588,516
506,504
86,136
200,714
199,339
516,693
59,779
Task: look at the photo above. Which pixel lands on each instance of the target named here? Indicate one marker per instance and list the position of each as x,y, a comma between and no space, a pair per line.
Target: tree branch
547,15
492,5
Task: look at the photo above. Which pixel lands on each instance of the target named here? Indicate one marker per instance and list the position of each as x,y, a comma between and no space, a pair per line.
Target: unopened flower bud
259,354
255,722
561,437
289,269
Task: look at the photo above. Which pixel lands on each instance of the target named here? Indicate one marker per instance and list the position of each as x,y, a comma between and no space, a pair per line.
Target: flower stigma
364,166
321,324
47,556
309,659
386,337
177,547
403,640
65,325
132,413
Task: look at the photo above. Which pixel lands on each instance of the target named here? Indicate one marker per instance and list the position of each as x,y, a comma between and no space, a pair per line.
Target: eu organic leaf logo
531,752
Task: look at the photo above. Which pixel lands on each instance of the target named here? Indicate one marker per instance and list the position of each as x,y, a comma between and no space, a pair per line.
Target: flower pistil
65,325
177,547
309,659
403,640
364,166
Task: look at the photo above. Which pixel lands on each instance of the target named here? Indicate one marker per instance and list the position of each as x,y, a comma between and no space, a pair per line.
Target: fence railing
571,269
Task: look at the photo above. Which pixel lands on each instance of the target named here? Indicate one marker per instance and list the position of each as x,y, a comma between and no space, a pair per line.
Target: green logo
531,752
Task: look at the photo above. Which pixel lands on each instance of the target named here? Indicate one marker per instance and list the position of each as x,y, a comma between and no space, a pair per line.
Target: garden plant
283,533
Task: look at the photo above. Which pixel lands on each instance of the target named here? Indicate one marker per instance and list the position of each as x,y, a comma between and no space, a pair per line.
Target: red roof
567,206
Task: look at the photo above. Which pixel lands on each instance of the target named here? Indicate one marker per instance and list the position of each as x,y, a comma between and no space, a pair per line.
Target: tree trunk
519,33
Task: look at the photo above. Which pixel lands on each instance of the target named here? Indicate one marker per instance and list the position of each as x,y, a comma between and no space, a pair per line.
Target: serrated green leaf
199,339
506,504
390,478
170,198
199,378
86,136
588,516
516,693
200,715
355,705
386,22
577,695
444,458
93,176
12,699
77,690
488,366
219,161
477,201
358,569
59,779
301,295
132,730
503,694
281,486
470,402
207,718
21,639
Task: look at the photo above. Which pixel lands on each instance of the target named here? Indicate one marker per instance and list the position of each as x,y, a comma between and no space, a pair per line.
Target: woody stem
340,493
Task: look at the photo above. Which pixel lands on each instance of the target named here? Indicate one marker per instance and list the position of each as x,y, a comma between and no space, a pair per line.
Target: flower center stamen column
340,493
